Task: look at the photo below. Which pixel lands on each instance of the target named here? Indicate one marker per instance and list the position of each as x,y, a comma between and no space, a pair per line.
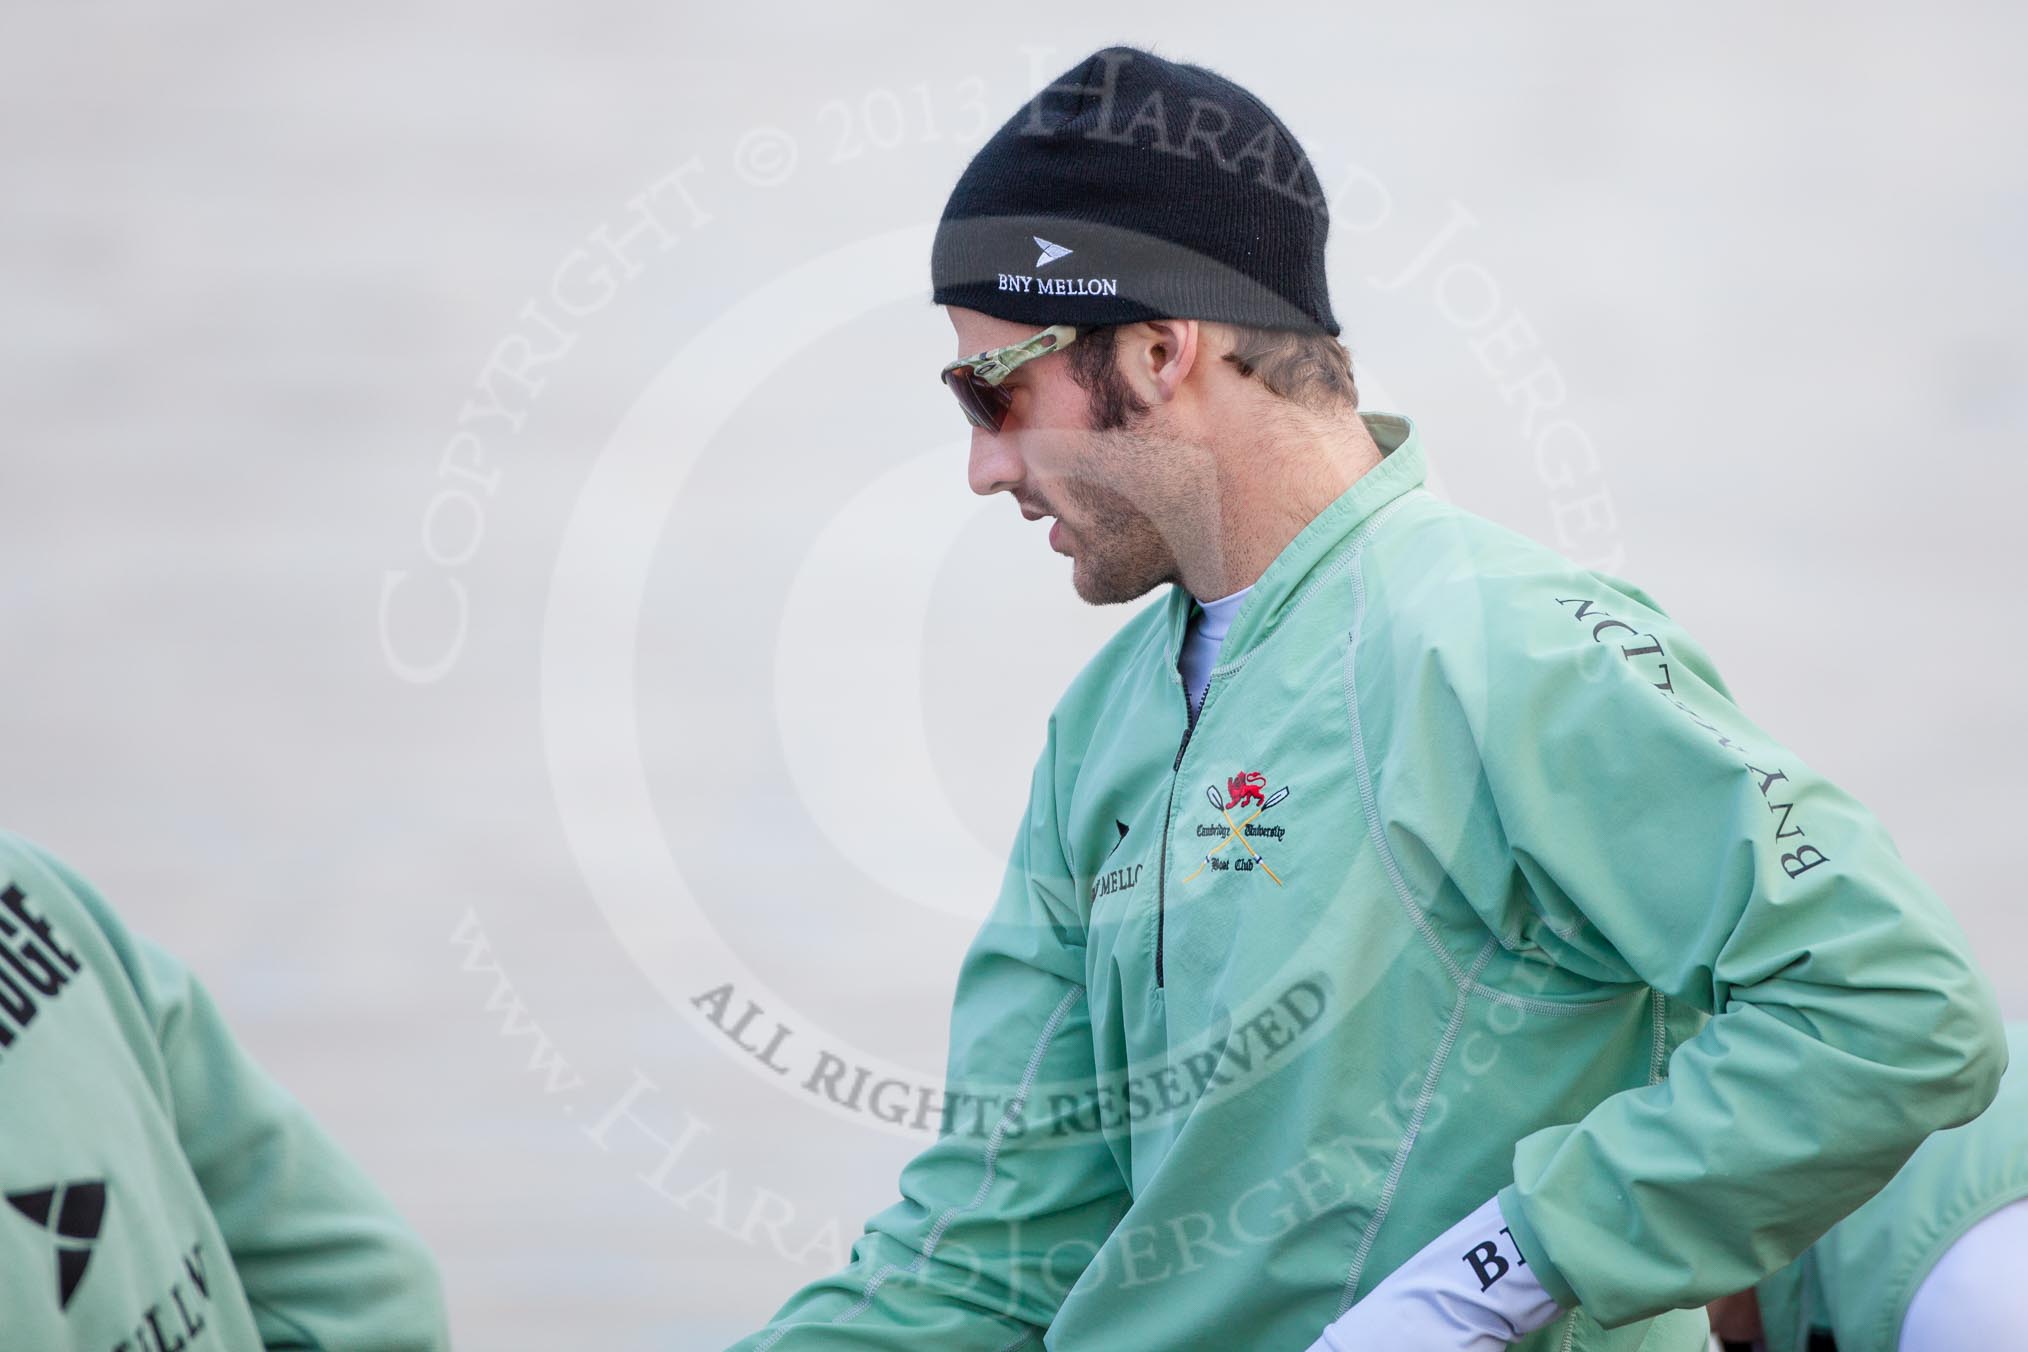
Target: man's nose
994,466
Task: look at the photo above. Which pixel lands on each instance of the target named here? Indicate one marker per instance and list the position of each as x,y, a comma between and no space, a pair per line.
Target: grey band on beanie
1133,187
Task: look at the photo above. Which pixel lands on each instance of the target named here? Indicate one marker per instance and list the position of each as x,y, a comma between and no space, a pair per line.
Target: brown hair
1308,368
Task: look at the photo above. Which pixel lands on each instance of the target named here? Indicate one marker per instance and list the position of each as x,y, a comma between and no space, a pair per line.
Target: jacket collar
1402,467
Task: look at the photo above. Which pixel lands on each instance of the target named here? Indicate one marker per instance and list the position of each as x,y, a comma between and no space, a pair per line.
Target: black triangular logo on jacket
1123,835
74,1211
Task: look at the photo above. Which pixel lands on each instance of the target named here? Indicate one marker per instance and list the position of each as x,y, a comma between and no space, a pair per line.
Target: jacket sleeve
325,1260
1004,1210
1660,837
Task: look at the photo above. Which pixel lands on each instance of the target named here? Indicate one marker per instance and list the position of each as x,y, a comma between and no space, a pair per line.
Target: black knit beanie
1132,188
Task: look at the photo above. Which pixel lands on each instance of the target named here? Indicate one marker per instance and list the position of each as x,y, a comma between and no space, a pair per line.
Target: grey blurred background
335,336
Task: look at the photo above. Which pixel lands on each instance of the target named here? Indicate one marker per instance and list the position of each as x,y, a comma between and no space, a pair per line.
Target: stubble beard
1118,553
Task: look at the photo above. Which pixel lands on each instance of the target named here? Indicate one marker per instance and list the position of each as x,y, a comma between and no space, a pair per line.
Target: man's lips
1057,530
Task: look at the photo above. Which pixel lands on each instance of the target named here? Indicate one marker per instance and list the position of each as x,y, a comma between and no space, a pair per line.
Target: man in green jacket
1435,958
161,1192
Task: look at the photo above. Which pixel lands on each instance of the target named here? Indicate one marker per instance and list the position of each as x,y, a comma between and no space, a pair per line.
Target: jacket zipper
1190,723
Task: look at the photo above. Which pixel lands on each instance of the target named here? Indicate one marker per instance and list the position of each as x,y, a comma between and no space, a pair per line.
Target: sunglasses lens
984,405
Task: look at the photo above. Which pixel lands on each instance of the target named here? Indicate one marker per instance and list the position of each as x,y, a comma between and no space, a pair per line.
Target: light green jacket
1857,1281
1505,847
157,1190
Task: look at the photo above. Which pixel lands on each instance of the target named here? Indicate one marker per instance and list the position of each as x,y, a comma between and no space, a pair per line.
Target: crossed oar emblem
1211,792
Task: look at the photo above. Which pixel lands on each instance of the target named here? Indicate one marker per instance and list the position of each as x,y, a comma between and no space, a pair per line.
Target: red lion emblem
1245,787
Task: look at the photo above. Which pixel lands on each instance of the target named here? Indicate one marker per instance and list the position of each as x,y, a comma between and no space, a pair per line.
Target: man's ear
1160,356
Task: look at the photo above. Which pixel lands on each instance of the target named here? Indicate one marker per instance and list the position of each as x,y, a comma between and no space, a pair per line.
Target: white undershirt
1201,640
1971,1298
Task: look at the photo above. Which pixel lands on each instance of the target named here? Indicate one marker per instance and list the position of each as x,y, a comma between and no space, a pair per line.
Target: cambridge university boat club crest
1258,843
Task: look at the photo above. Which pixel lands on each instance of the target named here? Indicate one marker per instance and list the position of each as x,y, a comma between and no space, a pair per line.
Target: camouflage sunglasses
975,380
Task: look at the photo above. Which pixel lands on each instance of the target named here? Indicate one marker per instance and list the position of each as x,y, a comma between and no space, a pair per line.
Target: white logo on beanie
1031,285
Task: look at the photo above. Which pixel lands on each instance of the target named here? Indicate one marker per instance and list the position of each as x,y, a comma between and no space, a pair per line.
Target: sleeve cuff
1514,1212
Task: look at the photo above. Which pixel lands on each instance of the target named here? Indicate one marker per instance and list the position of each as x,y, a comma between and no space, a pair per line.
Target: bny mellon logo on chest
1119,879
72,1213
